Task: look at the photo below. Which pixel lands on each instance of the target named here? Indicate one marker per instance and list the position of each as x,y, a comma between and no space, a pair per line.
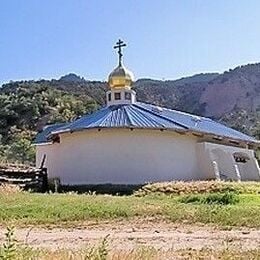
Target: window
109,97
241,157
127,96
117,96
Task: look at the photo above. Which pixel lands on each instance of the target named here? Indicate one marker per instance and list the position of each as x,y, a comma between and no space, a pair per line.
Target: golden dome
120,77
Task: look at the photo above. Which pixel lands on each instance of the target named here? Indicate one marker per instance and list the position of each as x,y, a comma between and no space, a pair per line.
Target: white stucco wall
222,156
121,156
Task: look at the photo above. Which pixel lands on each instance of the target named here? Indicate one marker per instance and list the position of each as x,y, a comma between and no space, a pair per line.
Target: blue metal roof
42,137
141,115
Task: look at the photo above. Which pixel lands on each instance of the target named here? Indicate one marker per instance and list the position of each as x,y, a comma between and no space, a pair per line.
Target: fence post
45,185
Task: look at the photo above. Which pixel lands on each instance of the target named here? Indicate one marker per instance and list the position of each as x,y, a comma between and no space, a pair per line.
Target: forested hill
232,97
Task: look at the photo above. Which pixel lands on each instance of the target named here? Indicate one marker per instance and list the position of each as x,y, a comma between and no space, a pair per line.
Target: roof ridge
101,112
178,111
126,108
164,117
149,118
187,114
104,118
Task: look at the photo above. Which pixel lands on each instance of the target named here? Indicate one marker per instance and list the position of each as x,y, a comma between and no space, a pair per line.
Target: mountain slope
236,89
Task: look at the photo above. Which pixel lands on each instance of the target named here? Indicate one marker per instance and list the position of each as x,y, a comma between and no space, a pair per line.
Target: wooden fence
26,177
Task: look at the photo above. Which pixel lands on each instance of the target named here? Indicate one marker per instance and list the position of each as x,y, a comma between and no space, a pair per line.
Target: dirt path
128,235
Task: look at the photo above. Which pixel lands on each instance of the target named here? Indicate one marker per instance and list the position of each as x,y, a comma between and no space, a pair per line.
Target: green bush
221,198
191,199
214,198
8,249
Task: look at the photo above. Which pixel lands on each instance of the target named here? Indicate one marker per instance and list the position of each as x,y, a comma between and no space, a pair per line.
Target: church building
129,142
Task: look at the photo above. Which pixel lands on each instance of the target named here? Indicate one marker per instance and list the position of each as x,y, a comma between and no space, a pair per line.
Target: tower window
109,97
117,96
127,96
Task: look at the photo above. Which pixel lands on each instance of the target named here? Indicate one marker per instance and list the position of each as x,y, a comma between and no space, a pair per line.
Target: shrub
214,198
8,250
100,252
221,198
190,199
8,189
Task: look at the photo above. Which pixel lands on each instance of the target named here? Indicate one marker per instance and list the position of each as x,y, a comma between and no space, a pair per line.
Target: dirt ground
127,235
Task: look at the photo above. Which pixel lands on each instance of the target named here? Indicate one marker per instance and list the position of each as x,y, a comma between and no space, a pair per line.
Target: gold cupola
120,81
120,77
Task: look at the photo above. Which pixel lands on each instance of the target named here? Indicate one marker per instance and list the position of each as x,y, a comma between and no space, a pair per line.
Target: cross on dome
120,81
119,46
120,77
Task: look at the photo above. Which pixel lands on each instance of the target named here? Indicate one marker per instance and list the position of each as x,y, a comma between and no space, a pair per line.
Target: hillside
232,97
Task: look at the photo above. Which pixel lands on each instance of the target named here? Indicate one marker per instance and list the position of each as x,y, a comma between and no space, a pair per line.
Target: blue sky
167,39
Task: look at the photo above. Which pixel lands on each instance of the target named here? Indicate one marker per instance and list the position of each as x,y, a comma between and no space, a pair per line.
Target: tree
21,148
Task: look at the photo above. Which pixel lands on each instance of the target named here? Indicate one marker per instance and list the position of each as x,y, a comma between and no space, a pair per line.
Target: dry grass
148,253
9,189
179,188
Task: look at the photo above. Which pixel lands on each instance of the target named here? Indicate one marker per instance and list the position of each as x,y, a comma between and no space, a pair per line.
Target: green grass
60,209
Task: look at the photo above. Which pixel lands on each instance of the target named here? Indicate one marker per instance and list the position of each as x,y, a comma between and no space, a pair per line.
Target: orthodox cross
119,46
